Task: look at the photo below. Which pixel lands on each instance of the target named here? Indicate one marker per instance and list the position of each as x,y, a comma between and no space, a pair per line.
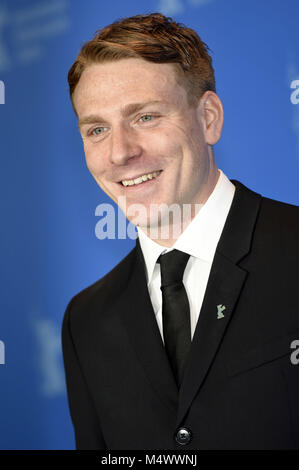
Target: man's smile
146,177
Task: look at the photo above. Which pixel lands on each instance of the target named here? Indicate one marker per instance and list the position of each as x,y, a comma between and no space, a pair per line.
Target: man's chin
143,219
157,227
162,221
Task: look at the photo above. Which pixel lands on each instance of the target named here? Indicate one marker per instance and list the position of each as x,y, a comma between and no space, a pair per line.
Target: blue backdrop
49,247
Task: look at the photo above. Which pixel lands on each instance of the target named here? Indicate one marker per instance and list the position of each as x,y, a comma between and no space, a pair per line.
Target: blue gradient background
48,200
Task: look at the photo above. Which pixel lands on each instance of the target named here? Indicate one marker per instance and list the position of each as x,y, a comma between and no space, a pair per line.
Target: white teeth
140,179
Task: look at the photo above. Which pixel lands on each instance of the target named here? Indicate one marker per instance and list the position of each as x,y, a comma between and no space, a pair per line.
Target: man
187,342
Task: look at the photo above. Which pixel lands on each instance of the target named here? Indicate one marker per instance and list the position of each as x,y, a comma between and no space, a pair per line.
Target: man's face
135,120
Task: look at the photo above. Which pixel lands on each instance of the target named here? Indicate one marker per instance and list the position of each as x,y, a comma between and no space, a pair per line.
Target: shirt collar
201,236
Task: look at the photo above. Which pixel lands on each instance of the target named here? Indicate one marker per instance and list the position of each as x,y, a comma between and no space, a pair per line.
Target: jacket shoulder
108,287
283,208
273,215
280,218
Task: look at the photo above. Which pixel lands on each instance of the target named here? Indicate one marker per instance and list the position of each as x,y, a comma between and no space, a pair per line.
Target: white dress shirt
199,239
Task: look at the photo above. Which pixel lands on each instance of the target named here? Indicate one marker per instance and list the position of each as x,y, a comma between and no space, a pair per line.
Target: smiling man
185,344
154,147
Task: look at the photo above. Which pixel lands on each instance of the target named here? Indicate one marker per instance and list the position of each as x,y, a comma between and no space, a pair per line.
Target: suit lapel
139,319
224,287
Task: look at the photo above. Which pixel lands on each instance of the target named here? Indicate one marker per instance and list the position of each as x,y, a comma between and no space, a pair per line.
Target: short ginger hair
154,38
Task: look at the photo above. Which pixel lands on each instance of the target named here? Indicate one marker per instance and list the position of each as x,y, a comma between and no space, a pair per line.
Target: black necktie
175,310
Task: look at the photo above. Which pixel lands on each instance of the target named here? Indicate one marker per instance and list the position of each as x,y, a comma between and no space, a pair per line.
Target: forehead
111,85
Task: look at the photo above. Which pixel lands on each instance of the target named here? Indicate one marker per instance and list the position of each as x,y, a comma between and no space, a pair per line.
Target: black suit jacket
240,389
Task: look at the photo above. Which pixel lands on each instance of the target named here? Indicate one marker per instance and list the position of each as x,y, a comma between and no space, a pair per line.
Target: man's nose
124,145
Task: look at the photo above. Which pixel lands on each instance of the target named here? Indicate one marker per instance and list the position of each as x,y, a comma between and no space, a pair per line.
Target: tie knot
172,266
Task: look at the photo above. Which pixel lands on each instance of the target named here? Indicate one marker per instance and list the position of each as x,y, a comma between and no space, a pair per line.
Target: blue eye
146,116
97,133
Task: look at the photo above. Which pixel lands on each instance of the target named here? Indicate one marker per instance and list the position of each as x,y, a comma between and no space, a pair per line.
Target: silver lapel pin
220,309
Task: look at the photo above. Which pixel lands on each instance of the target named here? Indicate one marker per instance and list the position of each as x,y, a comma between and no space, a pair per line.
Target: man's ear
211,111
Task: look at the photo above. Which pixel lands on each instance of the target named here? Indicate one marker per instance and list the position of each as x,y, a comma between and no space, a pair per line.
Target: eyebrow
126,111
